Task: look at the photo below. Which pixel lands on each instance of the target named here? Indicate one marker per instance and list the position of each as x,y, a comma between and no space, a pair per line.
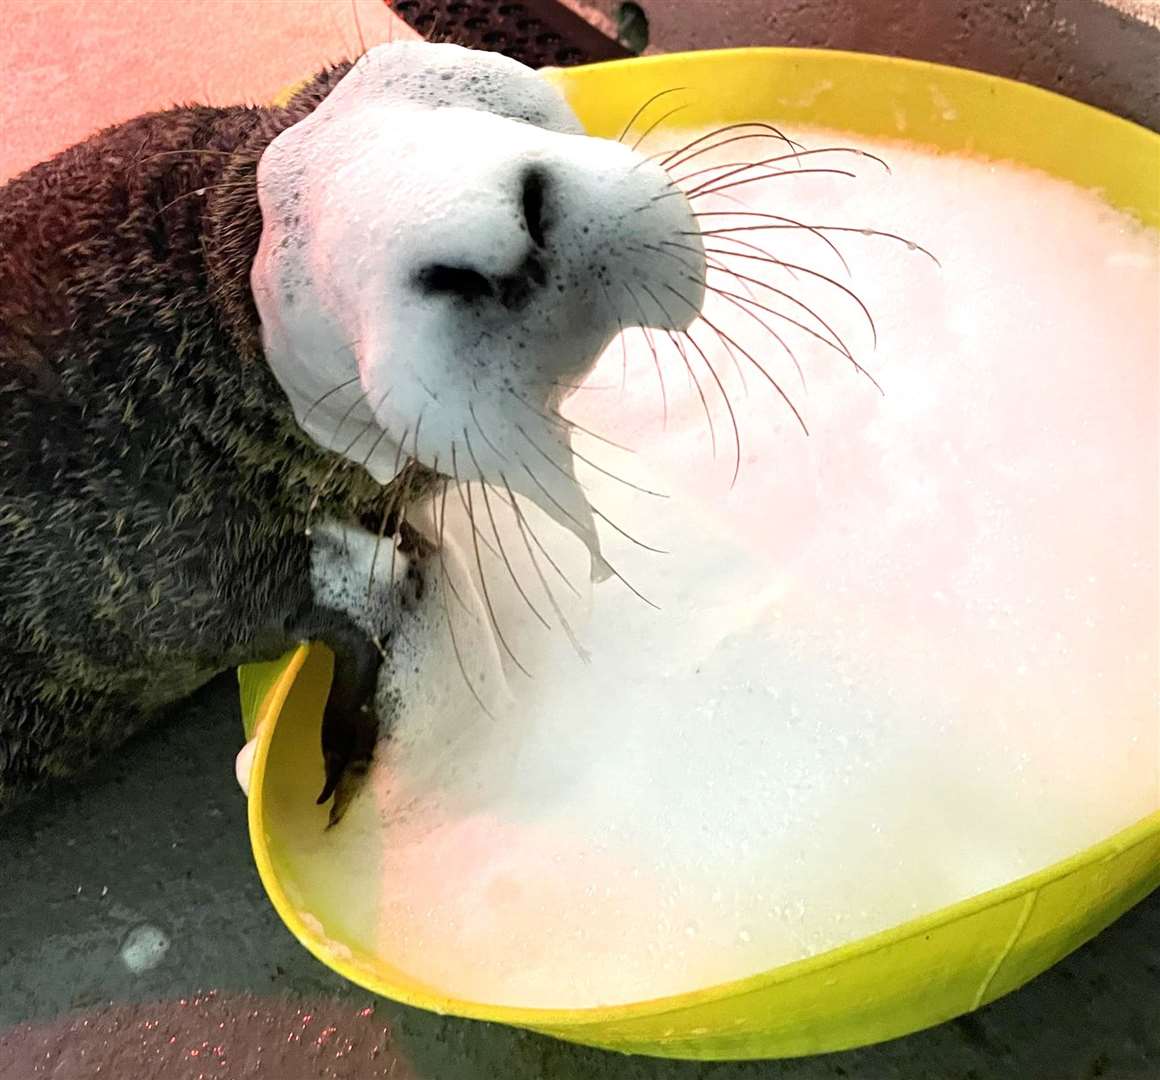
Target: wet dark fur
153,484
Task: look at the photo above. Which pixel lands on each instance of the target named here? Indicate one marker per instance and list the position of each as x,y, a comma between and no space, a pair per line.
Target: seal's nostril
533,203
458,281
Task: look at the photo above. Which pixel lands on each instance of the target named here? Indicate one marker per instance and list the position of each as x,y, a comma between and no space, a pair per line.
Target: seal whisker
739,168
475,538
446,577
494,449
656,358
329,393
340,458
563,510
524,527
787,223
728,405
820,229
688,367
657,123
564,472
723,238
767,131
498,540
205,190
797,155
403,481
568,425
757,364
446,573
391,506
718,266
736,301
773,261
838,345
536,540
640,112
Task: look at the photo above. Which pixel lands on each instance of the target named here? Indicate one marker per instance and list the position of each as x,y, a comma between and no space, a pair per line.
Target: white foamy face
444,253
901,661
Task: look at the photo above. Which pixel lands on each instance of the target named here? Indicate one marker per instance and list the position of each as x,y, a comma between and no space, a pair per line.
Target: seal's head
445,253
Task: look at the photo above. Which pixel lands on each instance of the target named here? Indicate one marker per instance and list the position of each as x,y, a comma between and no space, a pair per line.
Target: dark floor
159,839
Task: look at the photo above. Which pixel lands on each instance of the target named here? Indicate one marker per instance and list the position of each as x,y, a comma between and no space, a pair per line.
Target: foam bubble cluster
908,659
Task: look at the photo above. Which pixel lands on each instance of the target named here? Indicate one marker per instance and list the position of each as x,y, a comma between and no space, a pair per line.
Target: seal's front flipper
350,726
348,745
344,782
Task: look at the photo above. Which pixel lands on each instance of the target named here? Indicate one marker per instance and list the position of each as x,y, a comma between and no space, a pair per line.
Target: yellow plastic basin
926,970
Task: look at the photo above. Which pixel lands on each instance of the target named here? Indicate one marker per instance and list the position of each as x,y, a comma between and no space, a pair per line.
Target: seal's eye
533,202
458,281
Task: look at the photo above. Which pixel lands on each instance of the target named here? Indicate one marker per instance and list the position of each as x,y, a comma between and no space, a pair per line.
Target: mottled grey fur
154,486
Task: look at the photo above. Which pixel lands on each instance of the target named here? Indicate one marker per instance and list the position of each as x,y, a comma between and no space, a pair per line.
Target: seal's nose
468,283
533,188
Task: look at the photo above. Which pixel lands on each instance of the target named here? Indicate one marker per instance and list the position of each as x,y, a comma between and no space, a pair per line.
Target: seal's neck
233,218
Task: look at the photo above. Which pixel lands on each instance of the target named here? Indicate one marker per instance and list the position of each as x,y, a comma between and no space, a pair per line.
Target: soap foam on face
902,661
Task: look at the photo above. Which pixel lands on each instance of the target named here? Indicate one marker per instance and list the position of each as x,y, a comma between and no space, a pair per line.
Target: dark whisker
333,390
499,542
656,358
788,223
688,366
494,449
483,586
225,186
767,131
749,356
612,476
726,169
838,345
657,123
524,527
741,167
446,576
772,261
620,333
797,155
736,301
910,244
393,504
728,405
716,379
639,112
753,360
568,425
700,193
627,535
188,150
543,550
447,610
615,573
757,248
405,484
340,458
835,341
467,510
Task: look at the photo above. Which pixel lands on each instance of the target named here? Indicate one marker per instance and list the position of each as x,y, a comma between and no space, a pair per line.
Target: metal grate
539,33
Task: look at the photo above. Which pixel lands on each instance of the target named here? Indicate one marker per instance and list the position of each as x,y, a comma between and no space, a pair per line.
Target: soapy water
907,659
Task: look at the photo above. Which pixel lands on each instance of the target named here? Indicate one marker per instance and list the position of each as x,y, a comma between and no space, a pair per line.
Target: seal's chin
437,270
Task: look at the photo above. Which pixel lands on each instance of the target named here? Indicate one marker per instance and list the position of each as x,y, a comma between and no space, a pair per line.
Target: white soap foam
902,661
144,948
